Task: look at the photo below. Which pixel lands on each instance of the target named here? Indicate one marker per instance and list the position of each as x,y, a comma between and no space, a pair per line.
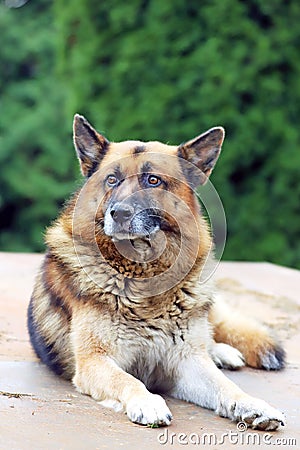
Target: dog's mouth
132,237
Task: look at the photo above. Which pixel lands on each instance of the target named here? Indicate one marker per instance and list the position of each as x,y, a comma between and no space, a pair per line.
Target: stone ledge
41,411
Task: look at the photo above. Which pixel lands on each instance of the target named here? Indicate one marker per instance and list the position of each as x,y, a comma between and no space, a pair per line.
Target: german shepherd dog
124,305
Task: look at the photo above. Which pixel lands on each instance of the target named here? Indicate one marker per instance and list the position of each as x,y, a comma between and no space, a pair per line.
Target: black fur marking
193,175
43,351
55,300
146,168
90,146
93,168
138,149
152,327
280,355
210,162
118,173
80,150
58,303
90,131
90,138
274,359
51,257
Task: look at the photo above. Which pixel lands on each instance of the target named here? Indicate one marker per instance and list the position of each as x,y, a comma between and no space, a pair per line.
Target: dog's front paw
257,414
149,410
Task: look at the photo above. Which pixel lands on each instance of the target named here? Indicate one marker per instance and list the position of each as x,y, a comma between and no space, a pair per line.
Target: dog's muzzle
123,221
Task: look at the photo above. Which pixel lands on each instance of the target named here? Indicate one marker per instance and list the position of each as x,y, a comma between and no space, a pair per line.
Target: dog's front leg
98,375
201,382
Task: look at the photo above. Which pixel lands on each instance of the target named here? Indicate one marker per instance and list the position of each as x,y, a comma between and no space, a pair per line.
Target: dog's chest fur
149,335
149,347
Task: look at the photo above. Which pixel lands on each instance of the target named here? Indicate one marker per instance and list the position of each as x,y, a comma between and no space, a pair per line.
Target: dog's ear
89,144
202,152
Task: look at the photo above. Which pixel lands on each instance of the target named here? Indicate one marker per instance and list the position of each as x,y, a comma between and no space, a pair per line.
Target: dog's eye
112,180
153,180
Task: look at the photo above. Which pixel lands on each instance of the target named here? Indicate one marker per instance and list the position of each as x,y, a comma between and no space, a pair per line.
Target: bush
36,168
159,70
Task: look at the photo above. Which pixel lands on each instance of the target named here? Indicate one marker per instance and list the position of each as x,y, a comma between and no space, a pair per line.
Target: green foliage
152,69
36,168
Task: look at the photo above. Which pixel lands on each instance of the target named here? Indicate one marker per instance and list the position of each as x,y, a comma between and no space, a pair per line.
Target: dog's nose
121,212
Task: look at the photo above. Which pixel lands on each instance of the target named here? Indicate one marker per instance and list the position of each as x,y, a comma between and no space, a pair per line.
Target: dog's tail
254,340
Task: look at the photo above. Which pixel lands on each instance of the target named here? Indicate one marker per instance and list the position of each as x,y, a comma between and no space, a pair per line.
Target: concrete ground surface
41,411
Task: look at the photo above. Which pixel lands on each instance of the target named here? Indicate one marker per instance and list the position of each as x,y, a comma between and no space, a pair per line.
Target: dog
124,304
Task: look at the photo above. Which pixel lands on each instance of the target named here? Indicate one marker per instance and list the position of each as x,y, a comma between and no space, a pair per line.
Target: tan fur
125,318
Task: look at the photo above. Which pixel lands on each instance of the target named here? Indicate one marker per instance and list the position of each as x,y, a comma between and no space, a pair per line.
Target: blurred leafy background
152,69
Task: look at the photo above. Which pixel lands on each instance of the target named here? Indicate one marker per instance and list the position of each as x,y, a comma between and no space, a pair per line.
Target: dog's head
144,187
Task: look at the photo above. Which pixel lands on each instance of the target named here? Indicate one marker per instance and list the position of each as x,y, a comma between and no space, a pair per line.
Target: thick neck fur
167,265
